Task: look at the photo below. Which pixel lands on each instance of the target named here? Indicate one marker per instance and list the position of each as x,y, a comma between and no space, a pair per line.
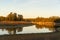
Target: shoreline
33,36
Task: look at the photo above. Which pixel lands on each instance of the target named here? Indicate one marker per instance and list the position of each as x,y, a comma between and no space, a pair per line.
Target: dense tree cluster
12,17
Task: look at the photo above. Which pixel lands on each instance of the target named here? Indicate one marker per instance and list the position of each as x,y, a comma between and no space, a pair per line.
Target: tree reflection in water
19,29
51,28
13,30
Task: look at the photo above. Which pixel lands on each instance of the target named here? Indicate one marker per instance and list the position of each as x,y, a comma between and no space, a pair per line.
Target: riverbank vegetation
12,17
18,19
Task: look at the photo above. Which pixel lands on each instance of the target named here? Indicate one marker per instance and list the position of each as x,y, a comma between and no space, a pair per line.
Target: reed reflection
51,28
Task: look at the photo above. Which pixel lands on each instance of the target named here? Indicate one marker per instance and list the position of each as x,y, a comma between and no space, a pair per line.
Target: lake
25,30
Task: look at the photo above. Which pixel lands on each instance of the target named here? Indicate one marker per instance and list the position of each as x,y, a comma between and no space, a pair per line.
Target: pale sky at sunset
30,8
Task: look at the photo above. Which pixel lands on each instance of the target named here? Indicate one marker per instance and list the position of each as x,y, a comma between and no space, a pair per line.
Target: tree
9,17
20,17
14,17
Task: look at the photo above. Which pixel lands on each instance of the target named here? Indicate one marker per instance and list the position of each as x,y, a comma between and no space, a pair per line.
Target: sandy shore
33,36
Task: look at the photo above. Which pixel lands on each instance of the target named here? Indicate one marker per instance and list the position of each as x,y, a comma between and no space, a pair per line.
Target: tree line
17,17
12,17
42,19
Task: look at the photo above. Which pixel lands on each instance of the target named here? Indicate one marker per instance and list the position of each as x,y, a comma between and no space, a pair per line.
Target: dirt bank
33,36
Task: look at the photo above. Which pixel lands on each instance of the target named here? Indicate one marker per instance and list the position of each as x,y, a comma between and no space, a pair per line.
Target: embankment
33,36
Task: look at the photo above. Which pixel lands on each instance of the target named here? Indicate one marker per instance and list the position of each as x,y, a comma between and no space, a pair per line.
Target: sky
30,8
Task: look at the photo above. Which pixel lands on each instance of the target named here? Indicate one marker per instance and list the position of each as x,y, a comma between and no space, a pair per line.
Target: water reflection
13,30
51,28
29,29
33,29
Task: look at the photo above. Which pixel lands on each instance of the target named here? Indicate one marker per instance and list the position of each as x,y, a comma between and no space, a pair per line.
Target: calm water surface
29,29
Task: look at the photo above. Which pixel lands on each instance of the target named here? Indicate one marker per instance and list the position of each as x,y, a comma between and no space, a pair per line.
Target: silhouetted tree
9,17
20,17
14,17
